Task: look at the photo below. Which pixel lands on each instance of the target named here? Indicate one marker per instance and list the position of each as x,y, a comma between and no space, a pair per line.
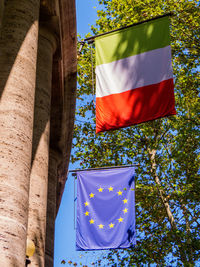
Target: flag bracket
80,48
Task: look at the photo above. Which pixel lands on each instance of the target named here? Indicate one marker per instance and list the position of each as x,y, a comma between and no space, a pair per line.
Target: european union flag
105,209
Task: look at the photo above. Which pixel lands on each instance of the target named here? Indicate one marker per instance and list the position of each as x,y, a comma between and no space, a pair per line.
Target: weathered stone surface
69,57
1,12
51,207
62,117
18,53
40,151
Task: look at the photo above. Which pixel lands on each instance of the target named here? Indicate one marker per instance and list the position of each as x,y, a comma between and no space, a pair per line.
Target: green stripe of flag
132,41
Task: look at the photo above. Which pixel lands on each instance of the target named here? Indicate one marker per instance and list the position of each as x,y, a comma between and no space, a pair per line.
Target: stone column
51,207
40,152
18,54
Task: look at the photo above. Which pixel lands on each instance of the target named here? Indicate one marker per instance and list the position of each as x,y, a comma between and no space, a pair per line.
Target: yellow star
86,203
100,189
91,221
125,200
91,195
125,210
119,193
111,225
101,226
120,219
86,213
110,188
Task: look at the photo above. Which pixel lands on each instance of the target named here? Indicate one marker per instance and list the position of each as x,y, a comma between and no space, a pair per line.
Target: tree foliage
167,150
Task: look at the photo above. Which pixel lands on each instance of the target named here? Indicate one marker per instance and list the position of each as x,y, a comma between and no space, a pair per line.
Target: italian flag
134,76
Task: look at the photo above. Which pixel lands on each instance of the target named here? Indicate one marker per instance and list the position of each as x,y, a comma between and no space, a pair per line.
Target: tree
167,178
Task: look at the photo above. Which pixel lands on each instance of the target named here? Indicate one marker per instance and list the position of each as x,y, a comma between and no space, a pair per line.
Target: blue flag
105,209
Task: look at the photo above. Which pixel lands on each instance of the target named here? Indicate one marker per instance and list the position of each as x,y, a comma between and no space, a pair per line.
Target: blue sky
65,232
86,14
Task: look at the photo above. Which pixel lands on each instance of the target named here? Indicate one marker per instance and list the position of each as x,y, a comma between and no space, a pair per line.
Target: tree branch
152,153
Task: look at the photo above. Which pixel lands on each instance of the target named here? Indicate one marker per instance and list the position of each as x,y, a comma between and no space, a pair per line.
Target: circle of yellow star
111,225
101,226
125,200
86,213
91,221
120,219
110,188
119,193
86,203
91,195
100,189
125,210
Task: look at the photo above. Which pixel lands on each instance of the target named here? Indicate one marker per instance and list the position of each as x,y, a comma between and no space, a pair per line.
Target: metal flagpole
74,203
103,168
91,39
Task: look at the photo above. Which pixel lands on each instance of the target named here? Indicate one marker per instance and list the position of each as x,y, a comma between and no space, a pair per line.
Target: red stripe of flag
135,106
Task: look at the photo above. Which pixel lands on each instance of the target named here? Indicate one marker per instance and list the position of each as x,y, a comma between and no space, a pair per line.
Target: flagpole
102,168
91,39
74,204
